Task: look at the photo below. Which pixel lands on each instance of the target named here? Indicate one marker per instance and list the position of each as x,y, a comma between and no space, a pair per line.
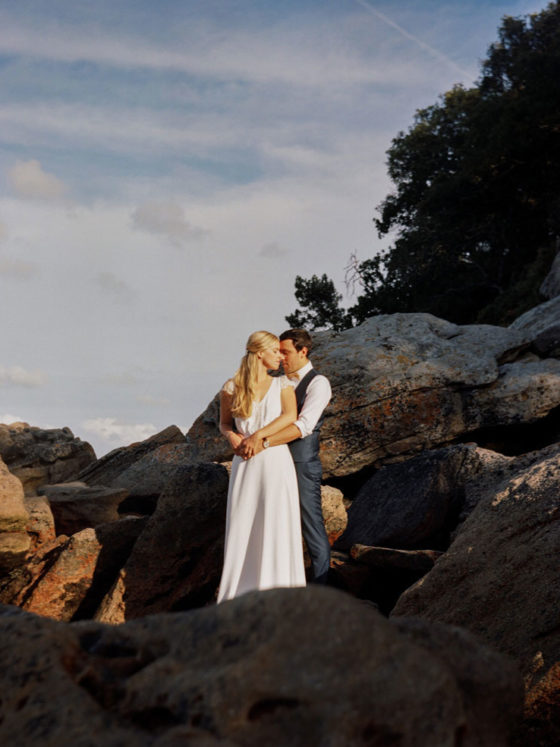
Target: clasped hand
249,447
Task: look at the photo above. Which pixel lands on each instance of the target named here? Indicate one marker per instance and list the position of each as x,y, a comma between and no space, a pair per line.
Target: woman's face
272,357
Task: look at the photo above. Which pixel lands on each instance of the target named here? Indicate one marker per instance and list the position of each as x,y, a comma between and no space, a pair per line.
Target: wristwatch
266,443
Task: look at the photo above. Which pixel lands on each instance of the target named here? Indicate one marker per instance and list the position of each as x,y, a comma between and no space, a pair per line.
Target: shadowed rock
14,517
254,671
499,579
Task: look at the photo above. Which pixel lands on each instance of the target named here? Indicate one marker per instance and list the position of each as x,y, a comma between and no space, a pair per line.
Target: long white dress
263,546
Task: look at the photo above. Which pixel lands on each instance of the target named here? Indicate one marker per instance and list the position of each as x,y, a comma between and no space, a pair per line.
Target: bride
263,547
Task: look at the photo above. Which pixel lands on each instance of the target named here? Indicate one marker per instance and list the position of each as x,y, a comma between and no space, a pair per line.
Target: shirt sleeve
316,399
228,387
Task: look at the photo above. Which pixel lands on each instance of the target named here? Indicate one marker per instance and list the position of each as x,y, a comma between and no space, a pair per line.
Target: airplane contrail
415,39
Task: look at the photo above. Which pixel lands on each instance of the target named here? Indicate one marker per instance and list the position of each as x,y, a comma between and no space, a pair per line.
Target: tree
476,204
320,298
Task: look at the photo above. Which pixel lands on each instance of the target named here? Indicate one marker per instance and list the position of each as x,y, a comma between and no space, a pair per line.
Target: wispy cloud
147,399
272,250
111,283
113,430
8,419
29,180
17,376
411,37
166,219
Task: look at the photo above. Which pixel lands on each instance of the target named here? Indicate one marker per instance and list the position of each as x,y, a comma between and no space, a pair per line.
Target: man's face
293,359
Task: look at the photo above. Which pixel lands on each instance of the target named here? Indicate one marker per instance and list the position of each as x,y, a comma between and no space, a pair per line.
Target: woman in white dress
263,547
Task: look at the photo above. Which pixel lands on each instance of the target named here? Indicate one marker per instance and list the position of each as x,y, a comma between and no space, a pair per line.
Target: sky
167,169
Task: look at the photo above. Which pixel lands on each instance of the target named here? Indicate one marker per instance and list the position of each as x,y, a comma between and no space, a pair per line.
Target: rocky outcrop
250,671
418,503
403,383
143,469
75,506
68,578
499,579
38,456
14,540
176,562
550,287
40,525
541,325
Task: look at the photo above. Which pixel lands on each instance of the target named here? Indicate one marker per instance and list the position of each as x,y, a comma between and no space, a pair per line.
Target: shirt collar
298,375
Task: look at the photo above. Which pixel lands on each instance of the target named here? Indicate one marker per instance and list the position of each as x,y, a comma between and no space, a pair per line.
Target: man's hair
300,337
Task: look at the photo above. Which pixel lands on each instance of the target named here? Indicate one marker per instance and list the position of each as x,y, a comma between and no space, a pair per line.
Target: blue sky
167,169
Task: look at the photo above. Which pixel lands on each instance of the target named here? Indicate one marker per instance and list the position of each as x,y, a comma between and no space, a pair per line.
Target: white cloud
166,219
110,429
272,250
28,179
8,419
147,399
18,376
16,268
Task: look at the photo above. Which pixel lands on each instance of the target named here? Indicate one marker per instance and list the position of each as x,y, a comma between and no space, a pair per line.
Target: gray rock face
403,383
417,503
535,321
37,456
143,468
251,671
177,560
77,506
550,287
499,579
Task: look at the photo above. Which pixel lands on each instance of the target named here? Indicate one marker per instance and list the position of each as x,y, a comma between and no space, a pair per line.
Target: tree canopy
476,203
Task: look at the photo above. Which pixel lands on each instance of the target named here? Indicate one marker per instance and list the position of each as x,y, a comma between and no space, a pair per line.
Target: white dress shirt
317,398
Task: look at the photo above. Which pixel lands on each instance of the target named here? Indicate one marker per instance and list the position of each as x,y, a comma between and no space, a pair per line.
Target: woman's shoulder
228,387
285,382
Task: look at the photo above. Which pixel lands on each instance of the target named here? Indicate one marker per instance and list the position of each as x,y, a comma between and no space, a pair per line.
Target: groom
313,393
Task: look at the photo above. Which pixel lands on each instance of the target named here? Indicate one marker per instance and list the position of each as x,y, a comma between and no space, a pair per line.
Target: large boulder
143,468
177,560
550,287
254,671
499,579
68,578
38,456
541,325
403,383
14,539
76,506
417,504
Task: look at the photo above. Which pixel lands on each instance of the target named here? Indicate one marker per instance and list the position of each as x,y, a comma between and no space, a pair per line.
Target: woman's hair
246,377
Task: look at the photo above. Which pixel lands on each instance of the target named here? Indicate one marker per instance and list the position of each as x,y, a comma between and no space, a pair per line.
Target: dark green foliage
476,205
321,301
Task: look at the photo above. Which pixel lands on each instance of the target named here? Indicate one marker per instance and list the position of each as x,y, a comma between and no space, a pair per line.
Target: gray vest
306,449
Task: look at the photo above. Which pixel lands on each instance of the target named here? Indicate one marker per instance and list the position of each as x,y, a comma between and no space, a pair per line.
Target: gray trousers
309,483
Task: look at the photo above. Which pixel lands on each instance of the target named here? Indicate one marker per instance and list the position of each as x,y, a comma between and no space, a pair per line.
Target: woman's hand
235,440
249,447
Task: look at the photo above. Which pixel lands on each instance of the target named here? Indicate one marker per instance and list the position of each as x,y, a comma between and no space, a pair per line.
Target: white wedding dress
263,545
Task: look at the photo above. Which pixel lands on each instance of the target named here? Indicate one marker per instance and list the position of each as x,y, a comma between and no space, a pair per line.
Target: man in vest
313,393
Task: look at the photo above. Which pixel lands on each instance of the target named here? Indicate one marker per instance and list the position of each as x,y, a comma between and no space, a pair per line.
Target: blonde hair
245,379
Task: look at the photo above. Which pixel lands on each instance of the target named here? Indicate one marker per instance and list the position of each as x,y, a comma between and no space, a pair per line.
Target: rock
14,540
334,512
416,504
550,287
67,579
177,560
250,672
75,508
547,342
499,579
40,526
537,320
403,383
420,561
379,574
39,456
485,683
143,469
